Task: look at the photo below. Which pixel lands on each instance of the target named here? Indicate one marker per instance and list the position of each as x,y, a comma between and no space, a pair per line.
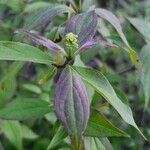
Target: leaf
48,76
92,143
114,21
15,5
13,70
121,95
35,6
145,73
143,26
40,40
32,88
8,83
12,131
103,87
58,138
84,25
22,52
99,126
106,143
72,103
90,90
25,108
46,15
87,4
28,133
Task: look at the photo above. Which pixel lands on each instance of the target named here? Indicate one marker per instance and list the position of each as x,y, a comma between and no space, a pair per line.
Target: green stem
77,144
80,5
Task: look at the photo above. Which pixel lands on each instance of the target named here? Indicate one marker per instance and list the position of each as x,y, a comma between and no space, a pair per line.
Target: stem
80,5
77,143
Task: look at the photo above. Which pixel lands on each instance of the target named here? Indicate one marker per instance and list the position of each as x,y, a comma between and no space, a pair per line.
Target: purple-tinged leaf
84,25
88,45
114,21
39,40
71,103
46,15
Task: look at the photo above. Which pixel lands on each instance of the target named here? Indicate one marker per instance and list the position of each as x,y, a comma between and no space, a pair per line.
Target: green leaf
99,126
121,95
48,76
15,5
102,86
145,73
28,133
106,143
87,4
92,143
25,108
8,83
35,6
22,52
58,138
32,88
143,26
12,130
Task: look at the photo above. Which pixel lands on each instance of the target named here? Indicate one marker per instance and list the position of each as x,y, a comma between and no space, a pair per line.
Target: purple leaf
114,21
39,40
44,16
84,25
88,45
71,103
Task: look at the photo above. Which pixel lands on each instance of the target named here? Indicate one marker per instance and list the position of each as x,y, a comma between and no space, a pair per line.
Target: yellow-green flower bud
71,38
71,42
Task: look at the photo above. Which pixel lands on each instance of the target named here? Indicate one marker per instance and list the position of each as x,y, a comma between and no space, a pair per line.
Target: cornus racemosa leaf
23,52
103,87
58,138
72,103
100,126
84,25
143,26
44,16
145,73
13,132
40,40
114,21
26,108
87,45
